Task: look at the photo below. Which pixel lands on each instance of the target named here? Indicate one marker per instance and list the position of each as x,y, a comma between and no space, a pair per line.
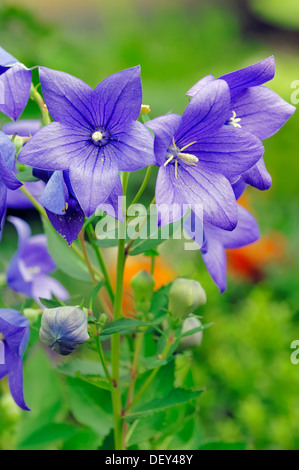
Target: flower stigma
174,154
100,136
234,121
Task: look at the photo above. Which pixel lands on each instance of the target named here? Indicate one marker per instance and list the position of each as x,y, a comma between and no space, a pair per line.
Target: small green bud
185,296
190,341
103,319
31,314
143,286
18,142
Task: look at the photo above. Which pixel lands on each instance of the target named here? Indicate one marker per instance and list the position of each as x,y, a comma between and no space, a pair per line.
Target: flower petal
164,128
68,99
246,231
6,59
133,149
113,204
16,84
206,112
15,382
215,261
7,161
68,225
200,84
56,147
258,176
44,286
55,194
117,100
261,110
23,229
170,204
93,178
229,151
24,128
254,75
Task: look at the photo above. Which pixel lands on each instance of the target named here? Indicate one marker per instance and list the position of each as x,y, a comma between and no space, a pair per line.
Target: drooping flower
216,241
95,136
15,84
254,107
29,268
14,333
216,154
7,178
63,329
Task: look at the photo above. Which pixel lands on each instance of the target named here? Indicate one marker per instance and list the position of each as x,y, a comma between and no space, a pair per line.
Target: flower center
174,155
1,337
100,136
234,121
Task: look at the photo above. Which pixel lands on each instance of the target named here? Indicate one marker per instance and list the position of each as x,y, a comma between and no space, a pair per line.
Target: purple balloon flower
28,270
217,240
7,178
95,136
14,333
15,84
254,107
216,154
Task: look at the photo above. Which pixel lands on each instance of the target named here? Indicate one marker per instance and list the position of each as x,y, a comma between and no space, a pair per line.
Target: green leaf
94,294
83,367
84,439
90,406
52,303
63,255
48,434
123,325
223,446
176,397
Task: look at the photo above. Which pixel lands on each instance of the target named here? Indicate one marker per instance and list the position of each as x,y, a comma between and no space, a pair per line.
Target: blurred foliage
252,387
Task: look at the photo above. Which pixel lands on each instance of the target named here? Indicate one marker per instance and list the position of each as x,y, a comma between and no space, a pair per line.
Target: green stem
36,96
143,185
102,358
115,341
101,261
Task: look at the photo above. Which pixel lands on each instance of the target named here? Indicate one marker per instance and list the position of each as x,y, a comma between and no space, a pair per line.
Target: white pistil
97,136
234,121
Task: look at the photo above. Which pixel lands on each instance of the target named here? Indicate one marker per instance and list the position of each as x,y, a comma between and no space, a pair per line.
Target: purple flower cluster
206,157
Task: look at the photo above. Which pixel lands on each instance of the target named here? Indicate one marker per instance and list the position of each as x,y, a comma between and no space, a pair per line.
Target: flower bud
185,296
143,286
63,329
190,341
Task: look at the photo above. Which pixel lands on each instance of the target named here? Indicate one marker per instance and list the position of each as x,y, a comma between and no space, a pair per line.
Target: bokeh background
252,387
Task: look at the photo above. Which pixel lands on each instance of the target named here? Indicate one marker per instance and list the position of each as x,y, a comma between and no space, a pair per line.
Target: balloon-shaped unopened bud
193,340
185,296
63,329
143,286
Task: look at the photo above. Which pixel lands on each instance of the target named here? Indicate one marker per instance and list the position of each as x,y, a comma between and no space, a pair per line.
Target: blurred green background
244,362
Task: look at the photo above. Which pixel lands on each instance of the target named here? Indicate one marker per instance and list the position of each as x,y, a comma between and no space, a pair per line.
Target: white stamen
234,121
